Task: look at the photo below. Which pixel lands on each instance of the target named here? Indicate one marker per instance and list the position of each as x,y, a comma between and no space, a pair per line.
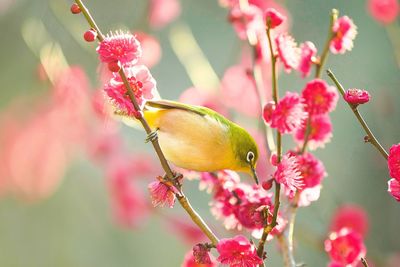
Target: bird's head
246,151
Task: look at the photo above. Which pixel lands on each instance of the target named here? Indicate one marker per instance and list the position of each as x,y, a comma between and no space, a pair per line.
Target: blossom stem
270,226
364,262
371,136
325,52
164,163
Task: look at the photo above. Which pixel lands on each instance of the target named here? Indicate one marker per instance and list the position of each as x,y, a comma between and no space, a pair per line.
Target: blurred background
66,202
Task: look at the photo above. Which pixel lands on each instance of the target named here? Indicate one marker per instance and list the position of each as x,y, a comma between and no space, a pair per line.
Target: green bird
200,139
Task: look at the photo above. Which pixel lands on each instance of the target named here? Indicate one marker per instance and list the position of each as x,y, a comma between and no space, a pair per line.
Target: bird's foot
151,137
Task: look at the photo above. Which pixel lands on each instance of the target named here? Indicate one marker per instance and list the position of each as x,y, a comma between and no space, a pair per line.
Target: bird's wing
167,104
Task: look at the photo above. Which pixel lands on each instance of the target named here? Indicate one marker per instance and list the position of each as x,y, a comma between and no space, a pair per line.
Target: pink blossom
394,188
273,18
288,115
312,170
394,162
357,96
142,84
163,12
307,58
345,247
288,52
119,46
237,252
288,174
319,97
320,132
189,261
384,11
345,32
245,21
239,92
151,49
352,217
161,194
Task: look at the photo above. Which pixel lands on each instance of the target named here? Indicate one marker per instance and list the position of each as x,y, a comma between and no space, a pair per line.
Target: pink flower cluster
394,171
345,244
123,50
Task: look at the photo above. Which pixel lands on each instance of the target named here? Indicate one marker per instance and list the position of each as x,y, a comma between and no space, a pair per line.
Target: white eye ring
250,156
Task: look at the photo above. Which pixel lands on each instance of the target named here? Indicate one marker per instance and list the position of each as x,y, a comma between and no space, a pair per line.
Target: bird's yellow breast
192,141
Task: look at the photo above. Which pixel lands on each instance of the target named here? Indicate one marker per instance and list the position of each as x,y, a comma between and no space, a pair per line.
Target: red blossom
384,11
273,18
319,97
345,32
312,170
357,96
394,188
345,247
394,162
287,115
320,132
161,194
288,174
142,84
119,46
237,252
288,52
352,217
307,58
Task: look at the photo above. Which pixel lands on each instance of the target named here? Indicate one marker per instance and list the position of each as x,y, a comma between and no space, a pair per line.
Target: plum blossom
357,96
394,188
319,97
142,84
273,18
288,52
189,261
287,115
161,193
288,174
345,247
119,46
320,132
394,161
345,32
237,252
312,170
307,58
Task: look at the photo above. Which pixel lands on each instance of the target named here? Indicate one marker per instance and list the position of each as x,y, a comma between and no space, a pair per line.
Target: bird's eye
250,156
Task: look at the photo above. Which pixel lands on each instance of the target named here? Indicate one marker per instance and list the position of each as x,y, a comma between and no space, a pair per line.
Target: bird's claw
151,137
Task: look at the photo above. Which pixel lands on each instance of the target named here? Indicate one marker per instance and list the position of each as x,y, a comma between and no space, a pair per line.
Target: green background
74,227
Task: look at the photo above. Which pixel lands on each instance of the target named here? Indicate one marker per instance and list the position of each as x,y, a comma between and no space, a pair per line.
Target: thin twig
164,163
364,262
270,226
372,139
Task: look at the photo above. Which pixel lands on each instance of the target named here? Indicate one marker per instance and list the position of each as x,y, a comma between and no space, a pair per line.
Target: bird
200,139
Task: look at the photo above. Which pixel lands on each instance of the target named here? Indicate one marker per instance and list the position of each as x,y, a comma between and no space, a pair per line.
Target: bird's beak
253,171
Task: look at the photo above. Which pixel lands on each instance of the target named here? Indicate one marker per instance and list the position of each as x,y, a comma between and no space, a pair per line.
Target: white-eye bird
200,139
